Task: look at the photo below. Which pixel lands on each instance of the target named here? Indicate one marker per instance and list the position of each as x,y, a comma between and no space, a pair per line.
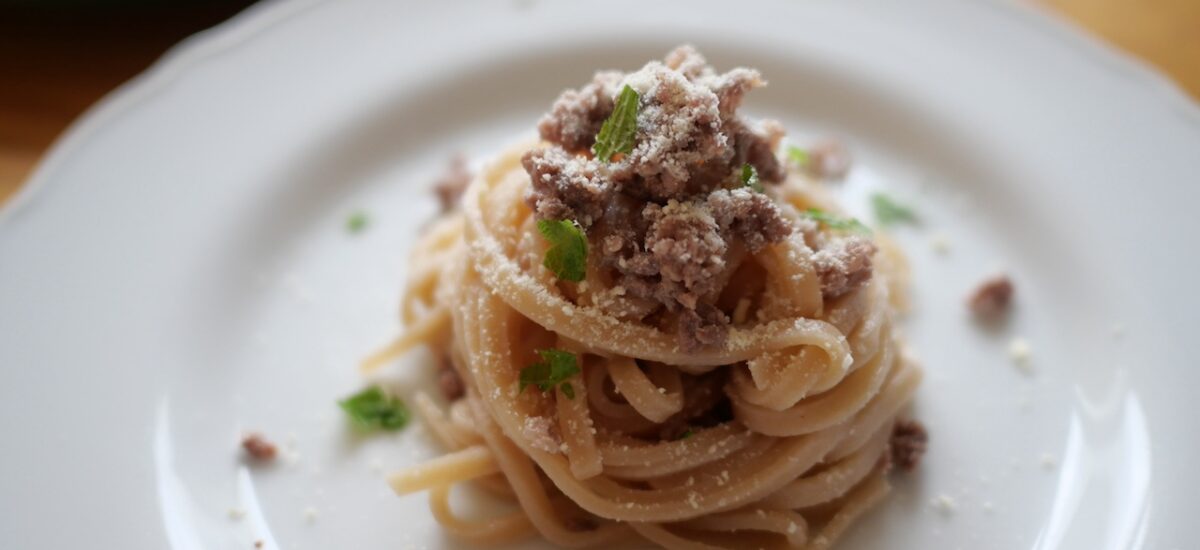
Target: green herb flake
750,178
798,156
373,409
889,212
567,255
554,369
618,132
357,222
838,224
686,434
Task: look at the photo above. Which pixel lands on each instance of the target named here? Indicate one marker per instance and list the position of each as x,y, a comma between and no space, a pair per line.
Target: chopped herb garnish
567,255
371,408
554,369
888,212
839,224
357,222
618,132
686,434
750,178
798,155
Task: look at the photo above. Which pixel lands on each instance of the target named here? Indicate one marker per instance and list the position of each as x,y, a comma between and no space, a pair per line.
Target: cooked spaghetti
722,372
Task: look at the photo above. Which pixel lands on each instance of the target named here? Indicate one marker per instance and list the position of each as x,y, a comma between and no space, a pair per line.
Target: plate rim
226,38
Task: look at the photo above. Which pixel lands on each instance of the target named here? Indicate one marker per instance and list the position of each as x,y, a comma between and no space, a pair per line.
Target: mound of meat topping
666,217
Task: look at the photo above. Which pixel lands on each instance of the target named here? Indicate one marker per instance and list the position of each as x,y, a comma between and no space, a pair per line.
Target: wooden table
55,62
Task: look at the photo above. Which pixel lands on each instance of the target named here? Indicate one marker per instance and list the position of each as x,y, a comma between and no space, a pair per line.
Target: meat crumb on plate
992,298
259,448
908,443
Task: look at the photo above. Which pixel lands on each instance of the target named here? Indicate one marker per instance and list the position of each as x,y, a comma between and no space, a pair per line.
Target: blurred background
58,57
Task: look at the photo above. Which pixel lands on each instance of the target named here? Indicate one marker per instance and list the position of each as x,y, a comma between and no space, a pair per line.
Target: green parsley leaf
838,224
798,155
567,256
371,408
686,434
357,222
888,211
619,130
554,369
750,178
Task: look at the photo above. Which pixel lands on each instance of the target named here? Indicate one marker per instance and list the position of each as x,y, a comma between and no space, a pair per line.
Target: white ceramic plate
178,271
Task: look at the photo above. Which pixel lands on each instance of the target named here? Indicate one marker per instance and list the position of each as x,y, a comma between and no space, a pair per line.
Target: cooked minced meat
757,148
992,298
564,186
689,139
678,257
666,216
259,448
577,115
450,186
684,242
908,443
703,326
844,264
752,218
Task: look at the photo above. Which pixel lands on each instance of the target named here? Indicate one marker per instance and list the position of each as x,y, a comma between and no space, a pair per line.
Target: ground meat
752,218
731,87
757,148
577,115
449,381
665,215
679,255
679,131
564,188
259,448
688,62
992,298
844,264
450,186
685,242
703,326
908,443
620,230
828,160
